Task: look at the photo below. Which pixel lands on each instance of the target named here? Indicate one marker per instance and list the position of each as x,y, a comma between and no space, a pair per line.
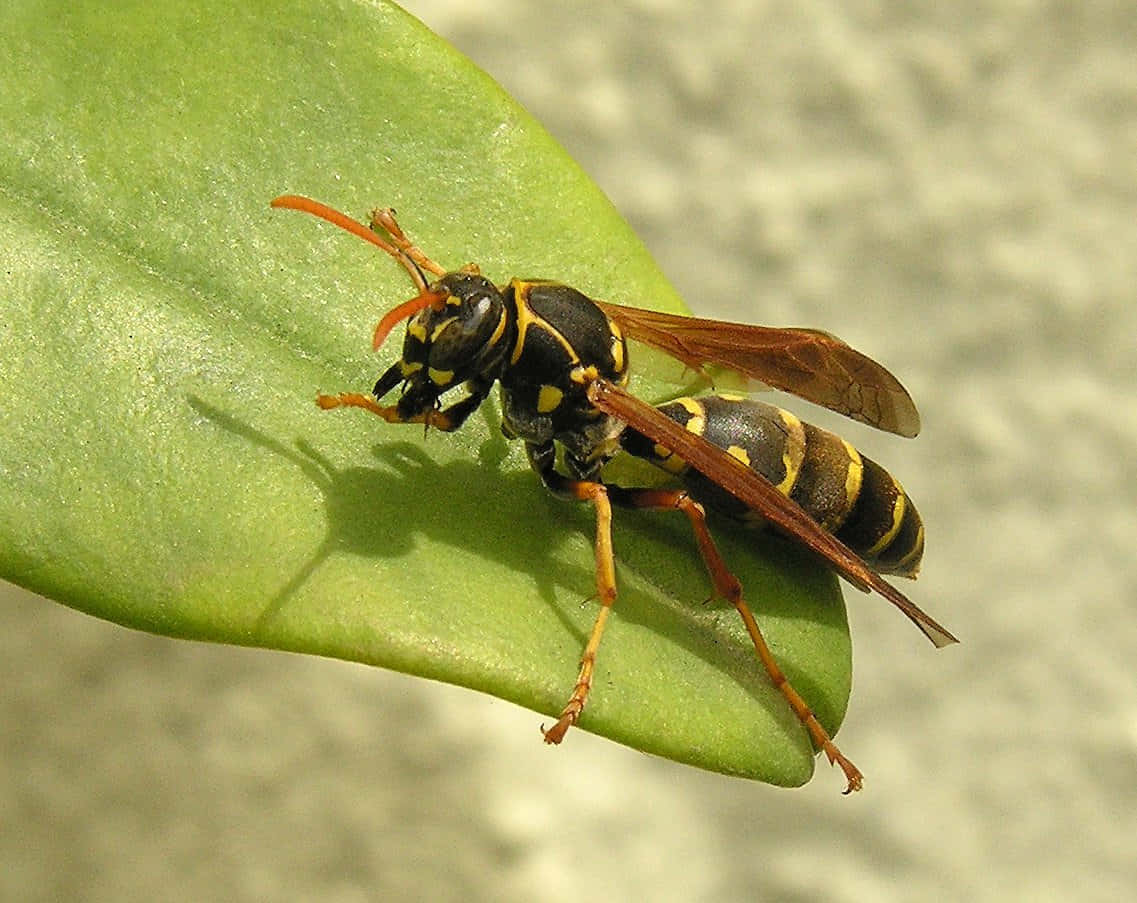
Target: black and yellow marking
848,494
557,324
549,399
562,343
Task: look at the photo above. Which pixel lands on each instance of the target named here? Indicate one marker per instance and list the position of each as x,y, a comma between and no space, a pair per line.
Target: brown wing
811,364
758,493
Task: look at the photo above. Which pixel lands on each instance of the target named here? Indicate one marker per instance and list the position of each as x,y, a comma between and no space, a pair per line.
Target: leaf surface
162,463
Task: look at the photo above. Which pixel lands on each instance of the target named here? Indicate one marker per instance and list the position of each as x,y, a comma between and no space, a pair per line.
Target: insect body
561,361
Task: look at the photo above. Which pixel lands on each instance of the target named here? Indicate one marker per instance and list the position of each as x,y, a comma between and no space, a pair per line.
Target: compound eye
479,310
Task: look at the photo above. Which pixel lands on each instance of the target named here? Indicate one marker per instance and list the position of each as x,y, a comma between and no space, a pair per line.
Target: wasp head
456,334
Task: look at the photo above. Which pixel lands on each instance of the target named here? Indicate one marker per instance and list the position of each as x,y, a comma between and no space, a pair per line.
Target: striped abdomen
849,495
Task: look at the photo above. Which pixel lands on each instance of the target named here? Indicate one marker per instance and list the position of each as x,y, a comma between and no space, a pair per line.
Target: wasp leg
728,587
542,458
357,400
447,420
383,219
439,420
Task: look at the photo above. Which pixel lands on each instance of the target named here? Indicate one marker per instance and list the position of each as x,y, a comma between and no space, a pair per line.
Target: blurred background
951,189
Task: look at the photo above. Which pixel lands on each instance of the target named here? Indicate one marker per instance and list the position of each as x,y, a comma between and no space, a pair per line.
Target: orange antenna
324,212
404,310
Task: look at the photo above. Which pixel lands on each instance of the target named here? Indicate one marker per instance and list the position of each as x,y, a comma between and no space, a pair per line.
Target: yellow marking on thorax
418,329
440,377
407,369
548,399
618,362
584,375
526,317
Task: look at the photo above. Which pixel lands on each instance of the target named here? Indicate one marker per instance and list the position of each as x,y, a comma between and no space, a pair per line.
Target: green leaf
163,464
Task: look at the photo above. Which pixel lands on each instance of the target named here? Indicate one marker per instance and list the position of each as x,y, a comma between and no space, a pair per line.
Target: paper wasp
561,361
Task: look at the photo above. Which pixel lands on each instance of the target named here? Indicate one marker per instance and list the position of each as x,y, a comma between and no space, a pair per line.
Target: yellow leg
597,494
728,587
437,419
